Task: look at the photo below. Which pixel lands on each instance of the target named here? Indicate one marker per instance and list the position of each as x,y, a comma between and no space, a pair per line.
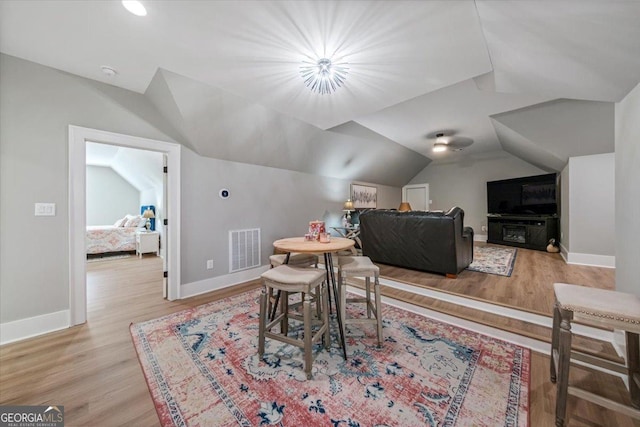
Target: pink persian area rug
203,369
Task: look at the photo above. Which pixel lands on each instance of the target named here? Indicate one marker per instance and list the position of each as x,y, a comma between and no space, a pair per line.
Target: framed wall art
364,197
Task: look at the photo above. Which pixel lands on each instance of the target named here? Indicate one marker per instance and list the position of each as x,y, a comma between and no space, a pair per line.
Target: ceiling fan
447,141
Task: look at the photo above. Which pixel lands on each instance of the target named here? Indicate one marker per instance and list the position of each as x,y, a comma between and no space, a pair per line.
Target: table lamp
348,208
148,214
404,207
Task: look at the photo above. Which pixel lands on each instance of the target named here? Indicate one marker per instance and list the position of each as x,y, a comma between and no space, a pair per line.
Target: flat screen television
530,195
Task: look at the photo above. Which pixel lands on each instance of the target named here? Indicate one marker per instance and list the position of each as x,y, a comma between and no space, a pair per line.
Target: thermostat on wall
224,193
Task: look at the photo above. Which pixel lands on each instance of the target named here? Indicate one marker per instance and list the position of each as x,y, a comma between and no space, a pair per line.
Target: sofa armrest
467,236
467,232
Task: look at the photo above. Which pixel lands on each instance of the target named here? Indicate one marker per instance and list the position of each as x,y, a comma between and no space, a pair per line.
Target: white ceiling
415,67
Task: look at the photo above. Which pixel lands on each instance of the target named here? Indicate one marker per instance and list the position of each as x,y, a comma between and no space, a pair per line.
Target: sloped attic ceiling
225,126
414,68
562,128
141,168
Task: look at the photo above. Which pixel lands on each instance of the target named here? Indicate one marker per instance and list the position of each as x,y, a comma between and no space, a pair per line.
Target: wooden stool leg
633,364
262,321
284,309
318,302
376,292
555,336
564,359
308,356
367,285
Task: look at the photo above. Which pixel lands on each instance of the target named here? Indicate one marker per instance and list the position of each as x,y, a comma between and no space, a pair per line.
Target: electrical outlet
484,228
209,264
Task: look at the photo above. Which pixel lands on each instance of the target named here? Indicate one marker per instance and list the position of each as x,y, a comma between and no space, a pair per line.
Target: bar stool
295,258
286,279
599,308
361,266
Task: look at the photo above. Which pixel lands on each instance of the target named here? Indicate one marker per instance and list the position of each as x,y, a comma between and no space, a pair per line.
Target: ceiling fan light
439,147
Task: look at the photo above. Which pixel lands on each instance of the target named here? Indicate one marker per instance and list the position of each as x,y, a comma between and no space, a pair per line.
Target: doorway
78,138
417,195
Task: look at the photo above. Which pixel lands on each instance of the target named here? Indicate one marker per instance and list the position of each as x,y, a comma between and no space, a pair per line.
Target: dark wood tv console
531,232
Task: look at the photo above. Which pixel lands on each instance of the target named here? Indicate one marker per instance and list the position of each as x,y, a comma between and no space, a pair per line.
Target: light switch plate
45,209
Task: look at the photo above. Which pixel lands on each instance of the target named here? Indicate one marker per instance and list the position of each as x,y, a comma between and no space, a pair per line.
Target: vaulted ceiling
535,78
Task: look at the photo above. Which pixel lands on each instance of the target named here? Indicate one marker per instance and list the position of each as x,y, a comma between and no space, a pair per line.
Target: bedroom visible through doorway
115,179
124,206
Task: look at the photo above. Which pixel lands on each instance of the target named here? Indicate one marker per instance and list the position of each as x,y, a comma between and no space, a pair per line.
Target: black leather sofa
428,241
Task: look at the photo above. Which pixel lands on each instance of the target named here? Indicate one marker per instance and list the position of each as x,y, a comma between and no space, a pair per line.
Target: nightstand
147,241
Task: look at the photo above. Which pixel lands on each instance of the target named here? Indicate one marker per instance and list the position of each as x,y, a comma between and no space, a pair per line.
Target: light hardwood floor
530,286
93,370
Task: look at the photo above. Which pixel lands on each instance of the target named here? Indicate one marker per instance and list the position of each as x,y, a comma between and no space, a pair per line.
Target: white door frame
78,137
426,190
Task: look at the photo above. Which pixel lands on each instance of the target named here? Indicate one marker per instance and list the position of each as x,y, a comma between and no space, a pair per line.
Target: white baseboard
33,326
591,260
564,253
220,282
606,261
480,237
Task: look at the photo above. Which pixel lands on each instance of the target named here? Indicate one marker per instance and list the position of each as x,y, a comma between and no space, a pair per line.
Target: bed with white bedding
119,237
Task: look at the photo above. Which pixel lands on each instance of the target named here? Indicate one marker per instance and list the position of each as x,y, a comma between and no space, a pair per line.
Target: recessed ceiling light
134,7
109,71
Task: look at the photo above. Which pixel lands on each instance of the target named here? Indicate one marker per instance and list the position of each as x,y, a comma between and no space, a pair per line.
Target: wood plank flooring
94,372
530,286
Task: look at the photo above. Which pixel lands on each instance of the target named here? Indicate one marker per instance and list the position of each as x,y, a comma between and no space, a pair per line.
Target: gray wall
464,184
592,204
36,107
628,192
109,196
279,202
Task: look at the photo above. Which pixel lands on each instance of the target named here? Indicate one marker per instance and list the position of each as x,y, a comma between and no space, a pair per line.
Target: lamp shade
348,205
148,214
404,207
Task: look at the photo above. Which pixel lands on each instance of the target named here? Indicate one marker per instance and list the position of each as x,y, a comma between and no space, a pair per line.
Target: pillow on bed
134,221
120,222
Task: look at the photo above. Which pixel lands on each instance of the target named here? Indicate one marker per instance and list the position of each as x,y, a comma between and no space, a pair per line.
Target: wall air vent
244,249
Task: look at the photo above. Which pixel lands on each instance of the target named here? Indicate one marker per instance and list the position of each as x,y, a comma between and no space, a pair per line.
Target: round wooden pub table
336,244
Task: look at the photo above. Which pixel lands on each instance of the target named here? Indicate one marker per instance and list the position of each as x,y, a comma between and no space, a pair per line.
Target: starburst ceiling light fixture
323,76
